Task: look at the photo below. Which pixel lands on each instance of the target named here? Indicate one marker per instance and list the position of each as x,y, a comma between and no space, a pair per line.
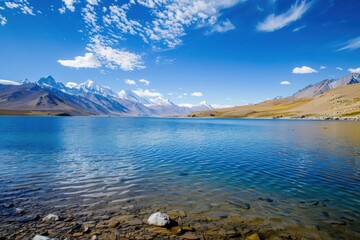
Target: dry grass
339,102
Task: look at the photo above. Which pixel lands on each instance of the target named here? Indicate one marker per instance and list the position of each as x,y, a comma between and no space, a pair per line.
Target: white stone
51,217
158,219
39,237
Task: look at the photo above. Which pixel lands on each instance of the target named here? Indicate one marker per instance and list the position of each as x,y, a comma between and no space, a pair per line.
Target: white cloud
70,4
273,22
339,68
115,58
2,20
147,93
159,60
86,61
322,67
187,105
285,83
130,82
197,94
12,5
170,19
299,28
62,10
71,85
221,105
352,44
93,2
23,5
303,70
145,82
90,18
222,27
354,70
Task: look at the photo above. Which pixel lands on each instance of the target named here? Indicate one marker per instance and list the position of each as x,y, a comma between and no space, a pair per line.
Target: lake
282,179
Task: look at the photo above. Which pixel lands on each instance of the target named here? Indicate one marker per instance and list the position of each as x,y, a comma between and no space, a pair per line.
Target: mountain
329,99
35,100
49,97
133,97
326,85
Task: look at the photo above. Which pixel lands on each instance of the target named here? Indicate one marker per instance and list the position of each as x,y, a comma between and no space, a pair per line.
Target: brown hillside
343,102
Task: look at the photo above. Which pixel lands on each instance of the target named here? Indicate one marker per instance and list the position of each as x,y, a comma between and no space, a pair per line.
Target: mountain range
50,97
328,99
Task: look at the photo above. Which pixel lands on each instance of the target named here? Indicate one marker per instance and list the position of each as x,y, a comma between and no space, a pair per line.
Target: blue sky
228,52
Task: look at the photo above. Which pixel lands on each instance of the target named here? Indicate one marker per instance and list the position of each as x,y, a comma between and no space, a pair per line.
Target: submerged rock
159,219
175,213
51,217
239,203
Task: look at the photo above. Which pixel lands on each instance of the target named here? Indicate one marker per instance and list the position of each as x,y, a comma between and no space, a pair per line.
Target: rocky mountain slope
329,99
49,97
326,85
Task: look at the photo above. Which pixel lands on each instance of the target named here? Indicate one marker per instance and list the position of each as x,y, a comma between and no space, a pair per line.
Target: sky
227,52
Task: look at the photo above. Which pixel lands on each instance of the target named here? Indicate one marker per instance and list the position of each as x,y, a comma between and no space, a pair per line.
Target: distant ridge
326,85
328,99
49,97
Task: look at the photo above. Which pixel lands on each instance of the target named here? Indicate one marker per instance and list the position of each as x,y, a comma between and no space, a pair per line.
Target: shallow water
306,172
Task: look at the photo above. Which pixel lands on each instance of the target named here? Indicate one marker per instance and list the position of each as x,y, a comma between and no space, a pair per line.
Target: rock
176,214
39,237
335,222
94,237
86,229
124,218
27,219
113,223
217,216
190,236
176,230
78,234
158,219
214,205
191,229
69,219
135,222
239,203
253,236
19,211
51,217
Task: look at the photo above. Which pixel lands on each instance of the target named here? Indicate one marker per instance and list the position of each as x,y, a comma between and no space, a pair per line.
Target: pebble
50,217
190,236
94,237
253,236
113,223
175,213
159,219
135,222
217,216
214,205
78,234
176,230
39,237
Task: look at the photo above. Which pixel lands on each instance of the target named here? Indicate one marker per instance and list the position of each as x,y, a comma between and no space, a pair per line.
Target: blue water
61,162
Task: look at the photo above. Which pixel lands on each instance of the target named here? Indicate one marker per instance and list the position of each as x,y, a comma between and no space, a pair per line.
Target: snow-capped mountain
91,98
90,86
133,97
49,82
